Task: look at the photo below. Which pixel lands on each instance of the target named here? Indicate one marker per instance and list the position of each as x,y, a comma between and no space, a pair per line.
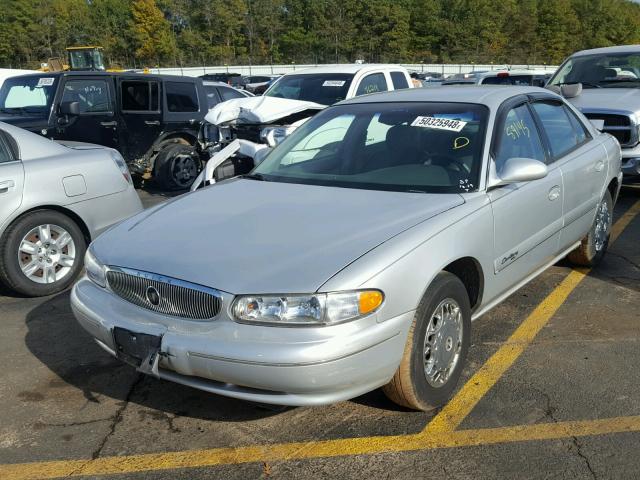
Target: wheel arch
614,189
86,232
469,271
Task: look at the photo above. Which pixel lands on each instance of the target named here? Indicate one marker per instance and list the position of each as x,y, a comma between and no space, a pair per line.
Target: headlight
312,309
274,135
95,270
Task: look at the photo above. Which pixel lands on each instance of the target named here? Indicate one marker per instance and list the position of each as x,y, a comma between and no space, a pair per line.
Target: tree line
138,33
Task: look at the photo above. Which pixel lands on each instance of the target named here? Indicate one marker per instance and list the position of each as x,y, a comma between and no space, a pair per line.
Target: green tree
151,33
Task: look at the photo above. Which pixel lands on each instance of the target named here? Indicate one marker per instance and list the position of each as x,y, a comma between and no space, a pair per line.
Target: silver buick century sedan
357,253
54,199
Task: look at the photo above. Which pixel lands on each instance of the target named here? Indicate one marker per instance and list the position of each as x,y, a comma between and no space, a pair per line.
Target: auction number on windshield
439,123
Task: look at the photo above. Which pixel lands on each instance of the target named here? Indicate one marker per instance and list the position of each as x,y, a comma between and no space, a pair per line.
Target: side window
212,96
561,131
5,153
372,83
181,97
229,93
581,131
91,95
399,80
140,96
518,137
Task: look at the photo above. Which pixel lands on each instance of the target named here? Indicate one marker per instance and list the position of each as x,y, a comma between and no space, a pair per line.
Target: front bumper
285,366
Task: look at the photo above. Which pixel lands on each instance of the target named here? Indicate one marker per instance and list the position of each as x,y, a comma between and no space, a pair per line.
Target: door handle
109,124
599,166
554,193
5,186
152,122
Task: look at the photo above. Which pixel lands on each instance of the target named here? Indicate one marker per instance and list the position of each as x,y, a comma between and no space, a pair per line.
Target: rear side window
229,93
5,153
181,97
372,83
563,133
518,137
91,95
140,96
212,96
399,80
522,80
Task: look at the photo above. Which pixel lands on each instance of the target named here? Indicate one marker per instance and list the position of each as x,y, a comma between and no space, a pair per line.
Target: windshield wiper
254,176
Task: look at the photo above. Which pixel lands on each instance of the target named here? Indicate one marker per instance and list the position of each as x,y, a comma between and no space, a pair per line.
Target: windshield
31,95
601,71
406,147
325,89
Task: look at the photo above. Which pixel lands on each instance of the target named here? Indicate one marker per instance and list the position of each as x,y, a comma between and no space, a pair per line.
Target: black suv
152,120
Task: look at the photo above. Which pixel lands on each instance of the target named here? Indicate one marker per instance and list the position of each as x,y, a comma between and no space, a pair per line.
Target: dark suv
153,120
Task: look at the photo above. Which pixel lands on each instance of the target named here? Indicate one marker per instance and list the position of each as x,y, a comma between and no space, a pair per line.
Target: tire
594,245
410,386
176,167
65,260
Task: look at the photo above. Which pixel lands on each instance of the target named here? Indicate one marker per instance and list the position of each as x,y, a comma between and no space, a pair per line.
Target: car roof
491,96
615,49
87,73
352,68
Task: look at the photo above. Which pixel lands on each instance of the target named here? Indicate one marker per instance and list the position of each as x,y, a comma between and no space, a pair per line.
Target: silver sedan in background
55,199
357,253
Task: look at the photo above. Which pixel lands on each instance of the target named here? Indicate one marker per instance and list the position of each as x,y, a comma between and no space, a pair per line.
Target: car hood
608,99
258,110
248,236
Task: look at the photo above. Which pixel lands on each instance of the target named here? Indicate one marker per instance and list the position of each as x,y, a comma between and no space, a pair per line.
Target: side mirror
517,170
571,90
70,108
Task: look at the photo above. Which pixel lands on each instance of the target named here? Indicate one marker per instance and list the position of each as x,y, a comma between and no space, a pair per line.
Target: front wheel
177,166
41,253
436,348
594,245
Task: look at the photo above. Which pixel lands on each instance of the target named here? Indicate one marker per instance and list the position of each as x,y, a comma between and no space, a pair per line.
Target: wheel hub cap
47,254
443,342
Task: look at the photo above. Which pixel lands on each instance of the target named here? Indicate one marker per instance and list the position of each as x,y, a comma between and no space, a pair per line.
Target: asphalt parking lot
552,390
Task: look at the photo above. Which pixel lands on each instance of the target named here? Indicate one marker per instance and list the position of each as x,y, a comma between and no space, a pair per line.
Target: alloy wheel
47,254
443,342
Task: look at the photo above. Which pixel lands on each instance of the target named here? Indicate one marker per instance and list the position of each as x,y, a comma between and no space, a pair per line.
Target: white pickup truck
262,122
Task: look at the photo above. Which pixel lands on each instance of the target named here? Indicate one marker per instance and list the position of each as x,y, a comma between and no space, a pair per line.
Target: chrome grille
174,297
619,125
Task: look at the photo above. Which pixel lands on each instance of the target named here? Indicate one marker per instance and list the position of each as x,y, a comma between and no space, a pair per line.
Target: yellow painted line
624,221
484,379
439,433
320,449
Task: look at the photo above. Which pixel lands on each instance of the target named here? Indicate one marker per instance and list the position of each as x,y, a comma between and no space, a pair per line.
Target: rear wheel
41,253
594,245
436,347
177,166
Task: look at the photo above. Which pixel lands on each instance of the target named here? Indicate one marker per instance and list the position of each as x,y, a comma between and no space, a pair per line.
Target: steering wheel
448,161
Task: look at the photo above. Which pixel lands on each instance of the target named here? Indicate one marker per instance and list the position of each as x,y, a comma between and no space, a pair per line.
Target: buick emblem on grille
153,297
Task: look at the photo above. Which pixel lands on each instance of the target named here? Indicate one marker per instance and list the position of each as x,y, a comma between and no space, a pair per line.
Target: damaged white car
260,123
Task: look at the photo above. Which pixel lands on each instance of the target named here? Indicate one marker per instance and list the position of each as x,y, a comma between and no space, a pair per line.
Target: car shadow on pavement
56,339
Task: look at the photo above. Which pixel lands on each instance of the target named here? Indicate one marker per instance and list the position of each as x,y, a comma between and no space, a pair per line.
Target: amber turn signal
370,300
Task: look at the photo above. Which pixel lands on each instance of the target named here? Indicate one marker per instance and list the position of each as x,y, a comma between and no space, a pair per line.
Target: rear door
11,178
97,122
139,101
583,163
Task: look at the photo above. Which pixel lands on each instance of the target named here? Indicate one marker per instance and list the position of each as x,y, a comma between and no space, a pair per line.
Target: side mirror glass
70,108
516,170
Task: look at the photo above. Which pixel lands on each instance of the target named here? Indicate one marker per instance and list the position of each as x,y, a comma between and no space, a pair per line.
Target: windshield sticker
439,123
45,82
460,142
465,185
517,130
333,83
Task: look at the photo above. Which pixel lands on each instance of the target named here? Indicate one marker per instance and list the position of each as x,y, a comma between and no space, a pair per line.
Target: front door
97,122
527,215
11,180
141,114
